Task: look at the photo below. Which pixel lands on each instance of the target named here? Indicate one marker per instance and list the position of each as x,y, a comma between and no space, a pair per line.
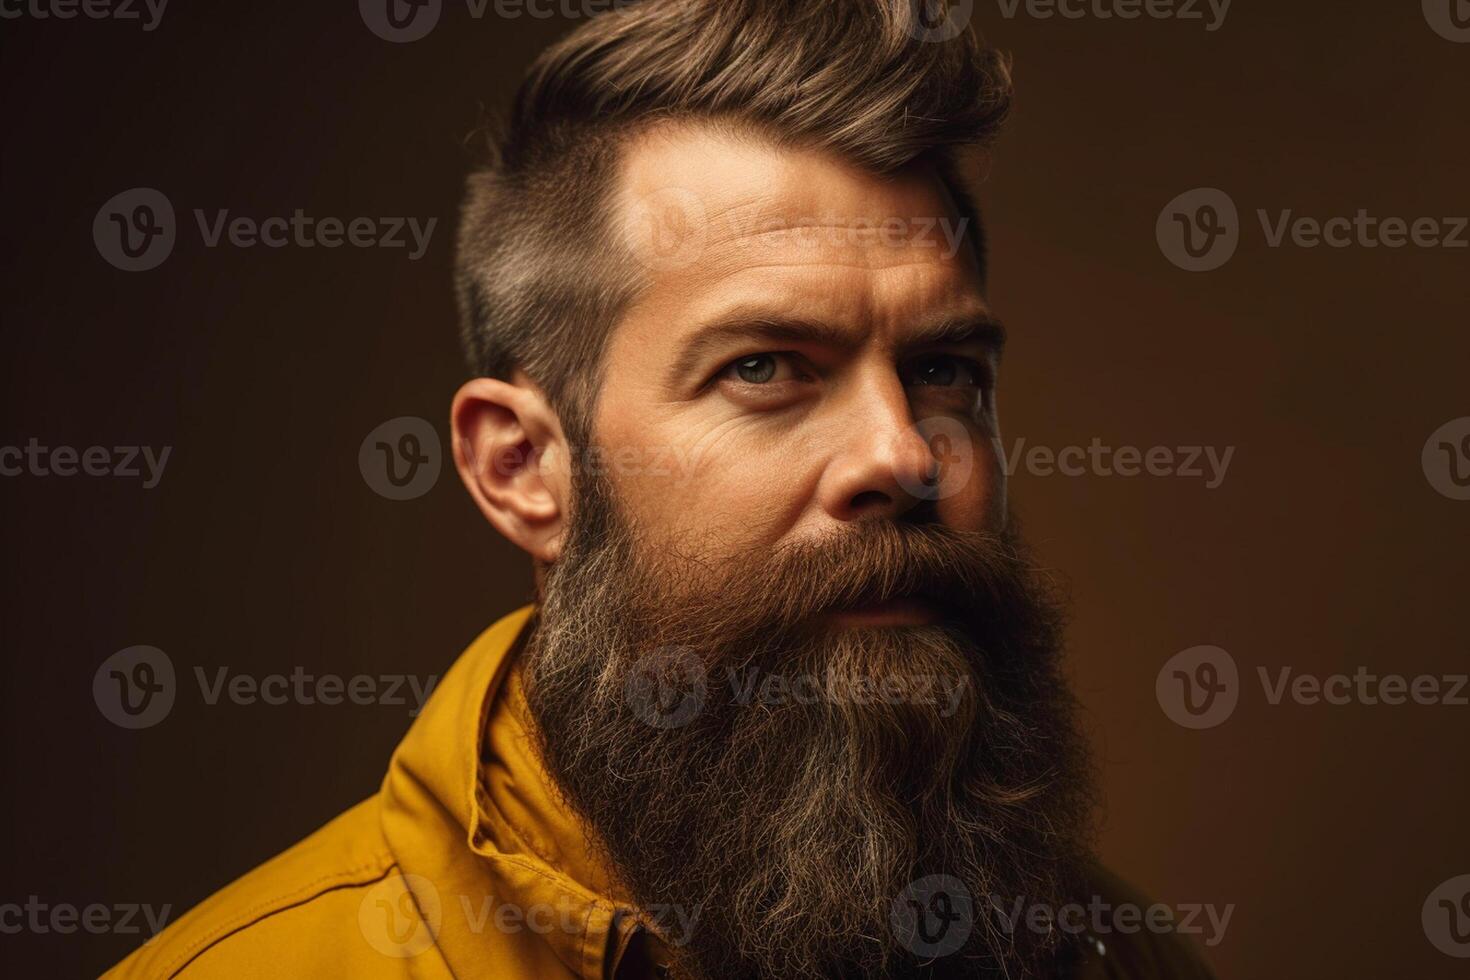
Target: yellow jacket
460,866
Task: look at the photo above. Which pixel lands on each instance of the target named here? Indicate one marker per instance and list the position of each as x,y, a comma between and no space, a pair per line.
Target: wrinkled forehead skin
715,217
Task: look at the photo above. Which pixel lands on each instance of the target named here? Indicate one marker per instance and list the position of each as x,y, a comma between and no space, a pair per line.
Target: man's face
812,348
770,539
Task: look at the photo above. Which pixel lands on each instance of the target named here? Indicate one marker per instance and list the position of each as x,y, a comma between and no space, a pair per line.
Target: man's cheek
973,492
995,486
736,510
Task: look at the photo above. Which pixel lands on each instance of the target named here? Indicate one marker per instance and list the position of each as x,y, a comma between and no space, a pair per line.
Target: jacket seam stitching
564,884
282,903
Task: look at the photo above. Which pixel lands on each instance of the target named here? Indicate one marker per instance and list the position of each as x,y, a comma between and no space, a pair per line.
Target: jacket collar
469,808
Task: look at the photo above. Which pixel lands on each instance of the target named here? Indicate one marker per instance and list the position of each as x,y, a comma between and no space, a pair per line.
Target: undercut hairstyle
540,274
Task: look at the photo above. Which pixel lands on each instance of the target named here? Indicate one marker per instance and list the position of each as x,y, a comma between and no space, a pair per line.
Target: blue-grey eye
756,369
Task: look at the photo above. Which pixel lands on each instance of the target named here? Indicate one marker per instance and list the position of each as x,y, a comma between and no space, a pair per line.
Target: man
789,704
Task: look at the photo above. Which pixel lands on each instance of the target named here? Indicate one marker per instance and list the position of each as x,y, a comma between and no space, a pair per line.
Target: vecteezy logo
1198,230
1450,19
939,20
134,688
400,459
1198,687
1446,917
933,915
400,916
667,687
400,21
134,230
667,229
1446,459
954,457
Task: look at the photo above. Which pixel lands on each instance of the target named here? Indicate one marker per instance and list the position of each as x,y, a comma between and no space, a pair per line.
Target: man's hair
540,275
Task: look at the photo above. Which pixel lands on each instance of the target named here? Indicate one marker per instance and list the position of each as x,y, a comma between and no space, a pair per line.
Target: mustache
966,573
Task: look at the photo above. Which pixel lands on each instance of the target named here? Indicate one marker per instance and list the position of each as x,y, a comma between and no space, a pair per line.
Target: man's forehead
711,200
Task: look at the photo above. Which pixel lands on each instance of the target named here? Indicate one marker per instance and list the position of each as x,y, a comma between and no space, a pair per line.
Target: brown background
263,549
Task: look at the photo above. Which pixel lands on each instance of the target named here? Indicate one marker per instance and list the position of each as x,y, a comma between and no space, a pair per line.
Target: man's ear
513,456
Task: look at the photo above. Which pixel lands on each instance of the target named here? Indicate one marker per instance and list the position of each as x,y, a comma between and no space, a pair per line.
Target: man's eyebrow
762,327
981,327
775,329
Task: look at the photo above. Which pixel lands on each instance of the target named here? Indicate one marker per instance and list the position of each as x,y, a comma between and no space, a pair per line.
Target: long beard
771,789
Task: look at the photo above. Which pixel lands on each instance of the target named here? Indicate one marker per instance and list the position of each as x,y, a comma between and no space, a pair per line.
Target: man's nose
883,465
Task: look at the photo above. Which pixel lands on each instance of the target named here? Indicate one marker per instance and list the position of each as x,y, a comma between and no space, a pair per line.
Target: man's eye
759,369
945,370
